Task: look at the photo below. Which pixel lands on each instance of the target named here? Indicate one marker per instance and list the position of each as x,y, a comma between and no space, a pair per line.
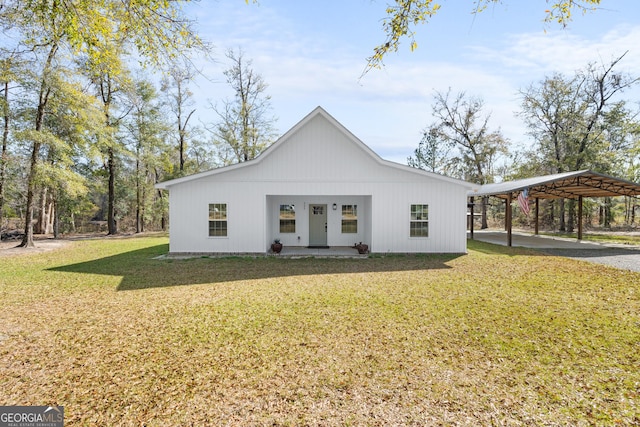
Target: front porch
318,221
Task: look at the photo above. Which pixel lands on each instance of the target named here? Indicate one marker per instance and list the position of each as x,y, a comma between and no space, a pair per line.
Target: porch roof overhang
568,185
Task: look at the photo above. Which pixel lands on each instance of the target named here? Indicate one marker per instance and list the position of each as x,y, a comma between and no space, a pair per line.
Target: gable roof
569,185
318,111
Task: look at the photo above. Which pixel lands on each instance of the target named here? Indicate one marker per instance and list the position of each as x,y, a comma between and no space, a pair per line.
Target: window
218,220
349,218
419,226
287,218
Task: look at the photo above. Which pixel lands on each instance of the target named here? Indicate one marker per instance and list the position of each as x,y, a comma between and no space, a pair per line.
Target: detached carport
568,185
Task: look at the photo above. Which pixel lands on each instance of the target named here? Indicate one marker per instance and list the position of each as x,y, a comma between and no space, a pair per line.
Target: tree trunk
600,215
142,208
608,214
571,215
111,209
51,215
3,154
561,211
39,226
27,239
485,202
56,218
138,191
43,99
181,133
138,216
163,217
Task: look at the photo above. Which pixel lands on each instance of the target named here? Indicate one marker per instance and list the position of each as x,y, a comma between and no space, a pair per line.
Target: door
317,225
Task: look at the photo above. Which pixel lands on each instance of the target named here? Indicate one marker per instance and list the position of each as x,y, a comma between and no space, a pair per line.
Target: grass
497,337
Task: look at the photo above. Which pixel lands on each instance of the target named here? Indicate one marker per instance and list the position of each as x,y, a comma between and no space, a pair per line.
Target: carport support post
506,208
579,217
507,219
537,213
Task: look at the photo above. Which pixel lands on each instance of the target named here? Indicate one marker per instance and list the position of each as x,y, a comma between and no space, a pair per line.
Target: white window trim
295,219
209,220
428,221
357,219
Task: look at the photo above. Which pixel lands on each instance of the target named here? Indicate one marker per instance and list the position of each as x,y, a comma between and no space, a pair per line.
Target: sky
313,53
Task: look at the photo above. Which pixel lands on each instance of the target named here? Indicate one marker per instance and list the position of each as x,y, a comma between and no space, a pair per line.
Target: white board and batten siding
317,162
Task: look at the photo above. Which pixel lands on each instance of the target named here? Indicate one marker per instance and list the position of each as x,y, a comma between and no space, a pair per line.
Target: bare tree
245,127
176,87
462,125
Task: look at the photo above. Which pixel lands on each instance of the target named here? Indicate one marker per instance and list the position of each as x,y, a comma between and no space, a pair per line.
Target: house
316,186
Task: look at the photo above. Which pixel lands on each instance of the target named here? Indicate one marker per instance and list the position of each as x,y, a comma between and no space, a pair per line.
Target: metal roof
568,185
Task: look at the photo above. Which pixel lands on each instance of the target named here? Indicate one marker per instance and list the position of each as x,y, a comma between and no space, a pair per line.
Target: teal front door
317,225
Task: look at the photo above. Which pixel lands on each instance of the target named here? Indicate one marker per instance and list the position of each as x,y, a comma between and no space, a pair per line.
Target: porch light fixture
335,207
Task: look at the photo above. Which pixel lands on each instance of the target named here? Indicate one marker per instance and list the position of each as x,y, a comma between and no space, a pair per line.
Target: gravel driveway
616,255
623,258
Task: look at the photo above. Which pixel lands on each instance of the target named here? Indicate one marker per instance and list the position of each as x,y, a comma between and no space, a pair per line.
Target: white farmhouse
317,186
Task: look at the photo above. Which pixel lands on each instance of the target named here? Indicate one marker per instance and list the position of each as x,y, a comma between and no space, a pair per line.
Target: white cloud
561,51
388,108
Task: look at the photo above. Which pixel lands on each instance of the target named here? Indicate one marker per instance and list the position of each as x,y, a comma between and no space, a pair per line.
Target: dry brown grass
497,337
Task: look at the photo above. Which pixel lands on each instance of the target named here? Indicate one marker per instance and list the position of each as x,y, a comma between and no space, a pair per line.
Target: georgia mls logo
31,416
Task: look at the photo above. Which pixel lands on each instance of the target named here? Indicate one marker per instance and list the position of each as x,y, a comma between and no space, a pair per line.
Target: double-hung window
419,224
217,220
349,218
287,218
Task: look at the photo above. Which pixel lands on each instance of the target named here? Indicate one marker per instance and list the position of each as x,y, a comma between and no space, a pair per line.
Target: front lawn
500,336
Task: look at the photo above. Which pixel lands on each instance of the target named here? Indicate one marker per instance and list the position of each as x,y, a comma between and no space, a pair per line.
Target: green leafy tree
65,138
432,153
156,29
38,137
147,130
73,120
111,81
633,173
7,77
579,122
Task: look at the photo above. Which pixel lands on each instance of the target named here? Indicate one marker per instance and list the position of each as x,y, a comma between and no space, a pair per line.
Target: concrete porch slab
330,252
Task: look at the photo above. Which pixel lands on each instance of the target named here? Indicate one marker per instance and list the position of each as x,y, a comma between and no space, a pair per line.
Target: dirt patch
48,243
11,247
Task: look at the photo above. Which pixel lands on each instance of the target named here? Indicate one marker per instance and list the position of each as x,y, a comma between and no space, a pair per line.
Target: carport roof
568,185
